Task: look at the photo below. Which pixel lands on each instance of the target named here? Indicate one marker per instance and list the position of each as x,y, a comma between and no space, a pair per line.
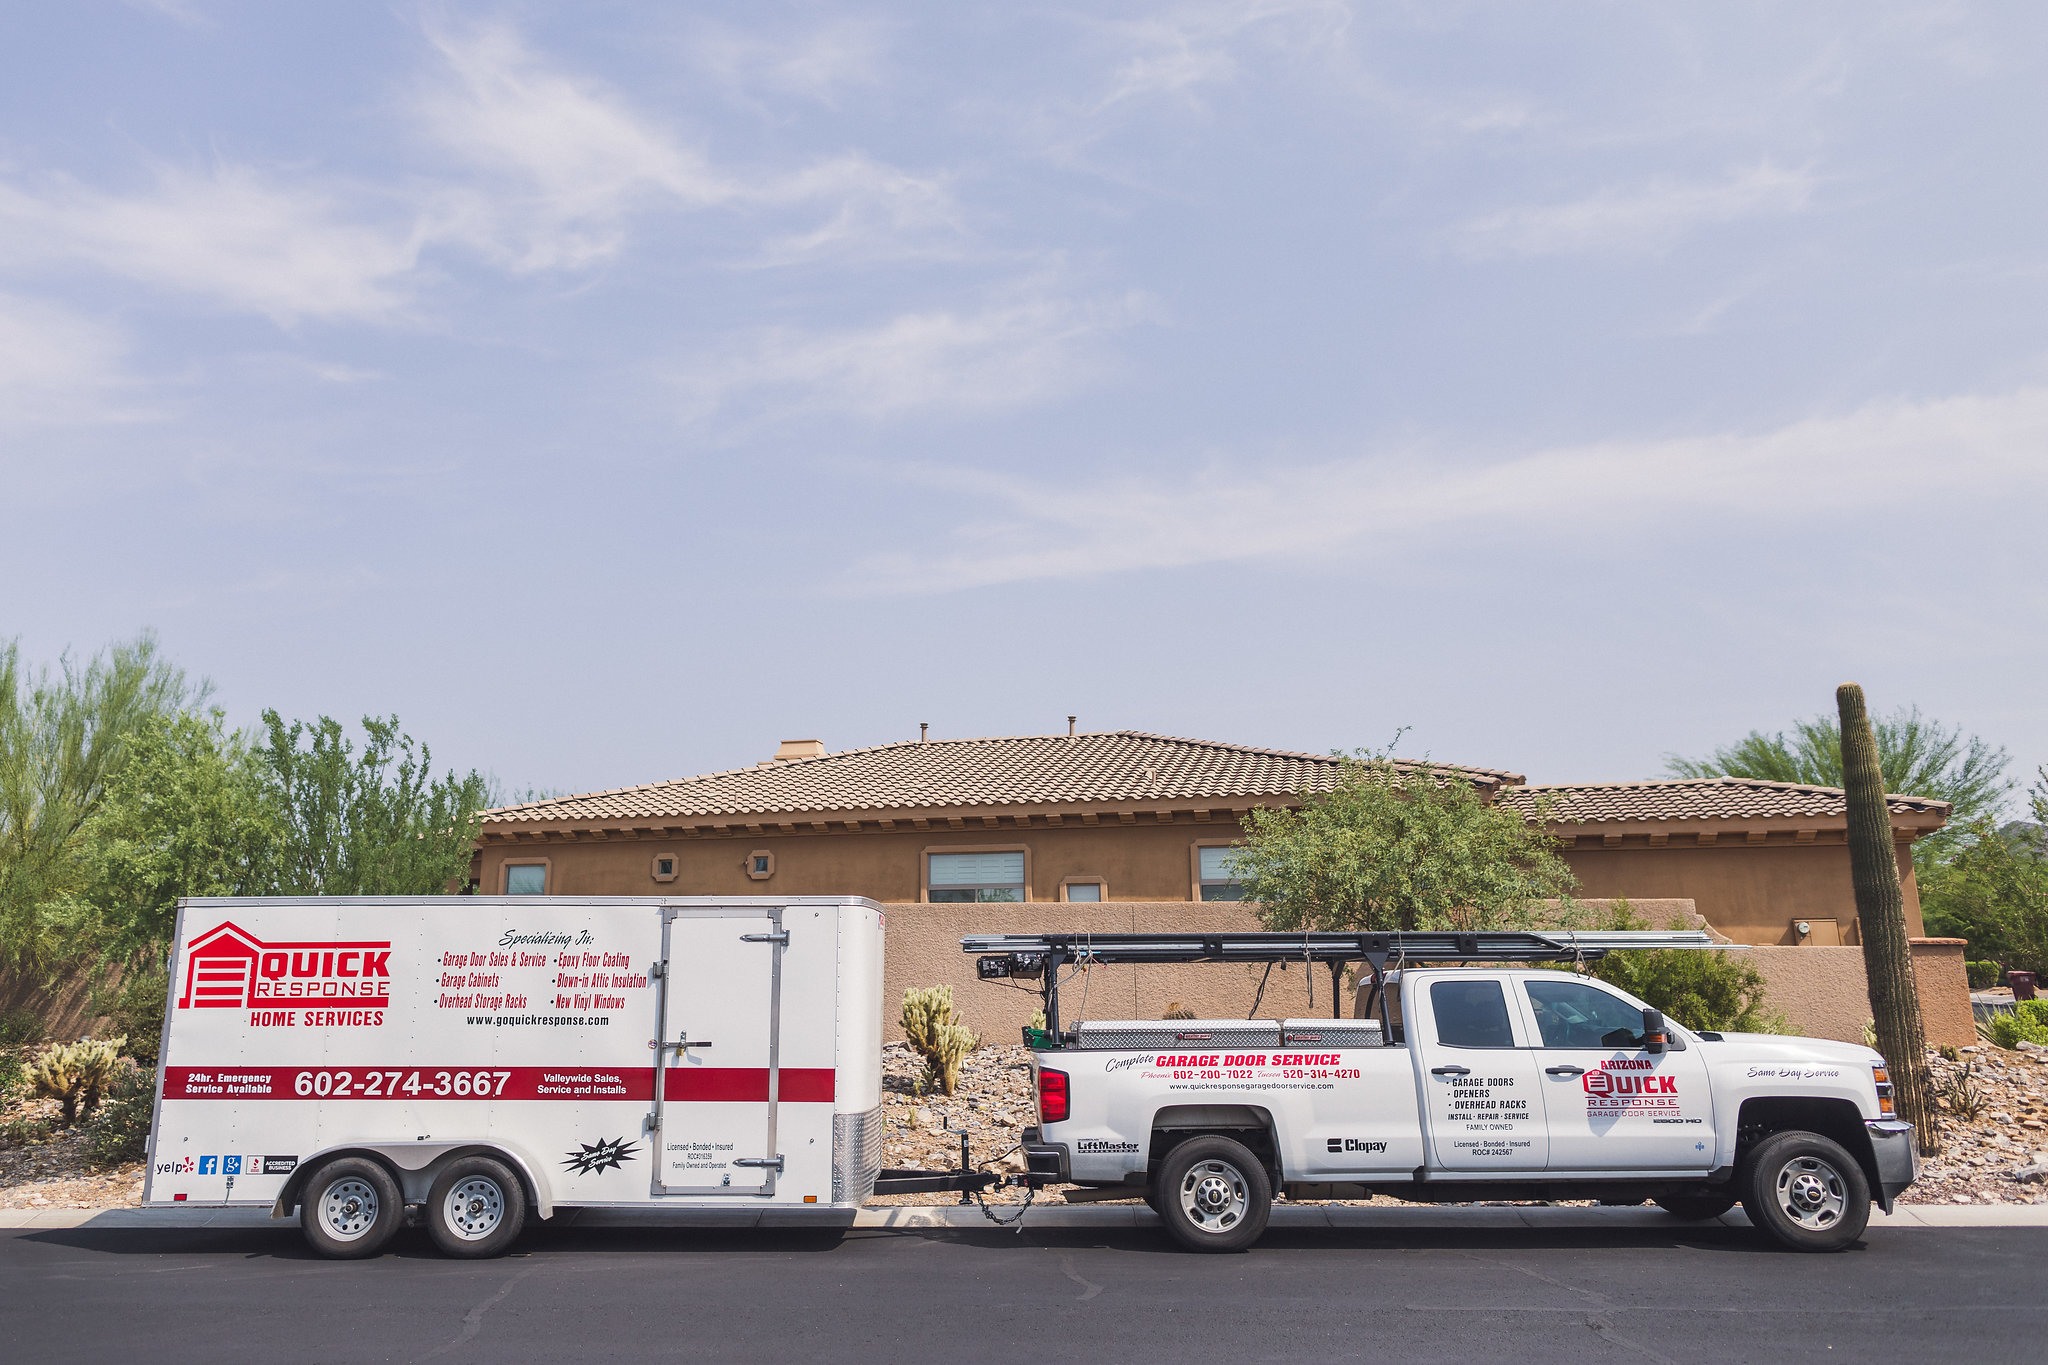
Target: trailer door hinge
780,936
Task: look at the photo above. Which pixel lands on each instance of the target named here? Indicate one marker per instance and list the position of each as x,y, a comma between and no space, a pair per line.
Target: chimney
799,748
922,727
1070,726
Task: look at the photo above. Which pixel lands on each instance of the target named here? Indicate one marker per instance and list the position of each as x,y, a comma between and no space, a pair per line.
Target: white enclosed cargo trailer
480,1058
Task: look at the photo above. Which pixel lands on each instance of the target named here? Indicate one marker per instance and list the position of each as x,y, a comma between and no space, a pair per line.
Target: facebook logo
209,1165
233,1166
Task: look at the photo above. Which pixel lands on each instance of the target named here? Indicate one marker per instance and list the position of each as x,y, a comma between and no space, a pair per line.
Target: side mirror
1653,1030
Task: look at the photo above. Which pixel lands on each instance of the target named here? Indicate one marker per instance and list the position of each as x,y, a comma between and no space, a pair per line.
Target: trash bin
2022,984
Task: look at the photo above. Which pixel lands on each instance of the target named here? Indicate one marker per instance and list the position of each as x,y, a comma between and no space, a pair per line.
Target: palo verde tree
1881,922
1398,846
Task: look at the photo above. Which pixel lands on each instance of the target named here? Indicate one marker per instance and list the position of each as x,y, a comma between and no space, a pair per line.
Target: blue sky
613,390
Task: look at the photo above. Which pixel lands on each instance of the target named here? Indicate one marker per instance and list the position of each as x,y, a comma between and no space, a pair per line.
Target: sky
614,390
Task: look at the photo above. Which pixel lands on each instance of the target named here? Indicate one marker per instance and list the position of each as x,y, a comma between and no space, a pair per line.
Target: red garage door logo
229,968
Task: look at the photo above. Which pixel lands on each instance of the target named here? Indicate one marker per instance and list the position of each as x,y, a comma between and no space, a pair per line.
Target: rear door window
1471,1014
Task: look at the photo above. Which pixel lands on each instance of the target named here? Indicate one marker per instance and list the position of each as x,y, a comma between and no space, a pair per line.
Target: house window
1217,874
953,877
1084,891
664,867
526,879
760,864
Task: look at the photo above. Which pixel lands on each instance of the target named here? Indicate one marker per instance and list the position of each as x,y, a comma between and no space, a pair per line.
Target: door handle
1450,1071
1564,1071
684,1042
773,1163
780,936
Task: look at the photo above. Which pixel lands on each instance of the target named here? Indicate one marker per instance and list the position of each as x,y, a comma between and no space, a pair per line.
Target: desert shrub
138,1013
1704,989
76,1075
20,1026
1965,1100
1983,975
120,1130
937,1034
1176,1010
2020,1026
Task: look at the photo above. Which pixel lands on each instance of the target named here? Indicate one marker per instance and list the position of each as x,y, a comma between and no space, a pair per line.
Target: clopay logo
229,968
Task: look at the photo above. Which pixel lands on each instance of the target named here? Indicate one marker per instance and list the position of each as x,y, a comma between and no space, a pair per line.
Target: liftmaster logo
229,968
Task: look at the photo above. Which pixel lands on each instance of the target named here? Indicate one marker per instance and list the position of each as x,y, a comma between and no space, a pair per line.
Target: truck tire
350,1208
476,1208
1805,1191
1214,1195
1695,1206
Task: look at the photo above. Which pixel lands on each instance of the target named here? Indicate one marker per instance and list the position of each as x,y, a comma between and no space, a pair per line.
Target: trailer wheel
1805,1191
1695,1207
350,1209
476,1208
1214,1195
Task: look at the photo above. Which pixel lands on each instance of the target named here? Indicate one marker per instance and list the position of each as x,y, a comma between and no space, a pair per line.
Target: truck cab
1472,1083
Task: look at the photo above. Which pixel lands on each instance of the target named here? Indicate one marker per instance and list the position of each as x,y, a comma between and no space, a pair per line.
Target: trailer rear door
718,1063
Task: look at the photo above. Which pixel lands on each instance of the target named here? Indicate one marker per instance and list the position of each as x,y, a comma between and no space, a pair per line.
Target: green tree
1994,891
187,814
1917,756
62,737
1702,989
1395,847
374,823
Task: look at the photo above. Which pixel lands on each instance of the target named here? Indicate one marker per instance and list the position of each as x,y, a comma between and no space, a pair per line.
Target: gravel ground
1981,1153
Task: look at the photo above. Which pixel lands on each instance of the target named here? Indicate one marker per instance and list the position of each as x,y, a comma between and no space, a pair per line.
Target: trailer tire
1805,1191
350,1208
476,1208
1214,1195
1695,1207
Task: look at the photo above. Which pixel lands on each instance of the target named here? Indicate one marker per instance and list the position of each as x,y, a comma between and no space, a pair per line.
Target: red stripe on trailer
800,1084
583,1084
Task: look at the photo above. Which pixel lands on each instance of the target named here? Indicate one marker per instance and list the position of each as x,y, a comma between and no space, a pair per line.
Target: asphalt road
881,1297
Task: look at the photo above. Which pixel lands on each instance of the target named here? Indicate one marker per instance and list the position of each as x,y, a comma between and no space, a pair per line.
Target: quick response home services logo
230,968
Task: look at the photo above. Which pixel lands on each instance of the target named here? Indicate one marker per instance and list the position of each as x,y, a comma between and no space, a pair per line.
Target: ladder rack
1040,957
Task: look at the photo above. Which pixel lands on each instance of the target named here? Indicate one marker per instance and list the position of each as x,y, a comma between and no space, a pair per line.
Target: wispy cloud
819,64
1182,47
57,367
1876,455
1648,218
287,249
1028,344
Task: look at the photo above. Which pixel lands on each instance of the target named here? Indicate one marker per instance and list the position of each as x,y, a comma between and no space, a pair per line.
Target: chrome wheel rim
1214,1196
475,1207
1812,1193
348,1209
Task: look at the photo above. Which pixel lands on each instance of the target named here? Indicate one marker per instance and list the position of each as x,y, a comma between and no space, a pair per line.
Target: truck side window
1569,1014
1471,1014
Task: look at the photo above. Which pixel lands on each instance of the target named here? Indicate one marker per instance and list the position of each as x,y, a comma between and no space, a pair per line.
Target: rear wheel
1213,1195
350,1208
1805,1191
476,1208
1695,1207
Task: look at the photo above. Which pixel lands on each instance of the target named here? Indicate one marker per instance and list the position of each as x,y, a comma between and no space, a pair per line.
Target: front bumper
1897,1156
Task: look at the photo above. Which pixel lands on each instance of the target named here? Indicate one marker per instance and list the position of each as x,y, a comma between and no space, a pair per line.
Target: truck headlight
1884,1089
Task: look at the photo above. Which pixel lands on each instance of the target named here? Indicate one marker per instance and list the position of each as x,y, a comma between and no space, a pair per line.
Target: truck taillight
1884,1089
1052,1096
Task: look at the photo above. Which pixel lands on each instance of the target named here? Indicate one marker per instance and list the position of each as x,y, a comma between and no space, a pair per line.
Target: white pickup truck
1456,1084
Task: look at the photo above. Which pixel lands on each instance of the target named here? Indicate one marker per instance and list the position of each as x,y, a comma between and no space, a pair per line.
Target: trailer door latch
780,936
773,1163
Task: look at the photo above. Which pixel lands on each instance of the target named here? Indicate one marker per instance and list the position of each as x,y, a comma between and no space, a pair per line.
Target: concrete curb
934,1218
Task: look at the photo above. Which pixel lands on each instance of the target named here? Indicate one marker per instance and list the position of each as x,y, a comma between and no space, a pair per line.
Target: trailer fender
415,1164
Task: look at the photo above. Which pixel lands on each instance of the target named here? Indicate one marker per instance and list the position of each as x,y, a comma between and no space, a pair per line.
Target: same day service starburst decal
595,1158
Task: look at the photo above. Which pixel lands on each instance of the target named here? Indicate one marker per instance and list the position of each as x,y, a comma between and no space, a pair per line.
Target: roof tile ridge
585,796
1301,753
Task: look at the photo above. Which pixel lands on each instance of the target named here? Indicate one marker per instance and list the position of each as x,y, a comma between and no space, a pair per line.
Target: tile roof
1714,798
1019,770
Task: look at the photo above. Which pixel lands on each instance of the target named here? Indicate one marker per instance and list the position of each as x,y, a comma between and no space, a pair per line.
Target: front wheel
1214,1195
350,1208
476,1208
1695,1207
1805,1191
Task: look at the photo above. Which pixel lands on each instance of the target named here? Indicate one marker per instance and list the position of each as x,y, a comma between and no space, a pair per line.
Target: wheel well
1243,1123
1836,1119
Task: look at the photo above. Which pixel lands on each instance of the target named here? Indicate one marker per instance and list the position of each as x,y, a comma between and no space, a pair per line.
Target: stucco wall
1750,893
1824,994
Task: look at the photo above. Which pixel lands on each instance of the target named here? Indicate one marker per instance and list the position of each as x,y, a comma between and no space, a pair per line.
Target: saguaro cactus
1881,918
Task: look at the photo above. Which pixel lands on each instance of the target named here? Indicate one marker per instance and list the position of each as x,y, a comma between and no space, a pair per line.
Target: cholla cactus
935,1033
75,1074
